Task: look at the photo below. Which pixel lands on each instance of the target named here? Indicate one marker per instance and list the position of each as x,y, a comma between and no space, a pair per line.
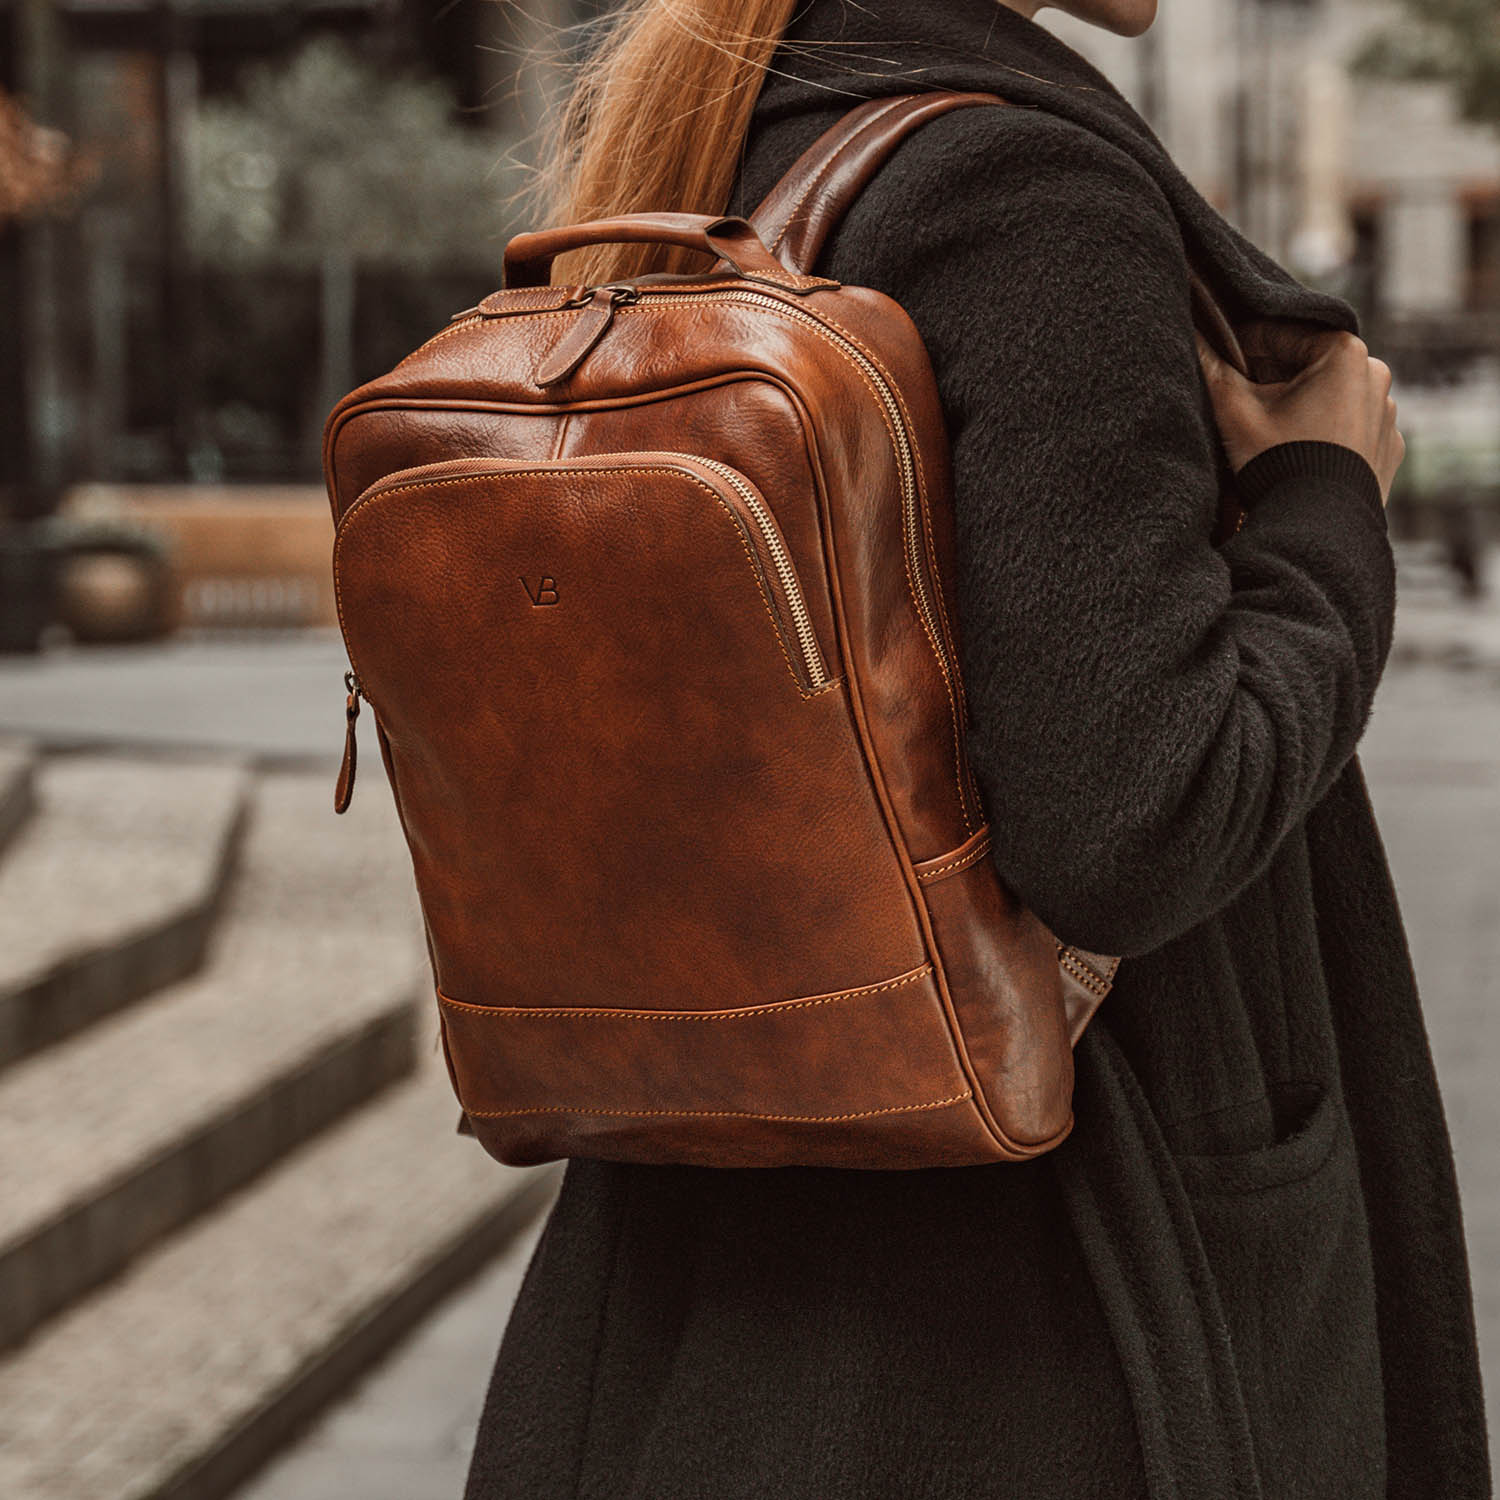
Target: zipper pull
588,328
343,791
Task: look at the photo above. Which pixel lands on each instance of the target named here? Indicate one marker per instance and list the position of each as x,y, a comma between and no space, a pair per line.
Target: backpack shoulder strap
805,207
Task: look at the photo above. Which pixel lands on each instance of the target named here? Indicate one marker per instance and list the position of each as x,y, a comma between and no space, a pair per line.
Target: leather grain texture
647,591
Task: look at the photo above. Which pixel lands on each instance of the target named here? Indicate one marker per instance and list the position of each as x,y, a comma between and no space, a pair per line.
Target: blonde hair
656,120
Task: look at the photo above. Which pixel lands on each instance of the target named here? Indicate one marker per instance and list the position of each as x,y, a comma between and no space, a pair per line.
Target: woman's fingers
1280,349
1236,401
1329,389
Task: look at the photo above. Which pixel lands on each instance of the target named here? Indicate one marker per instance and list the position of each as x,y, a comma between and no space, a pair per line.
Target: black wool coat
1243,1277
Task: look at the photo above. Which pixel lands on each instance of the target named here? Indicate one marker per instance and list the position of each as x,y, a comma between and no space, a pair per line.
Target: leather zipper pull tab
343,791
591,324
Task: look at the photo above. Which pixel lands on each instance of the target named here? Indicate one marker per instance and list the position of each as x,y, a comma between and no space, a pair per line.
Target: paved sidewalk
1432,757
1433,760
406,1431
275,696
1449,632
281,696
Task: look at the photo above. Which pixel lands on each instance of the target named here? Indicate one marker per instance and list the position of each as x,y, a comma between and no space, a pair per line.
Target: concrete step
179,1379
406,1430
304,1009
17,787
111,888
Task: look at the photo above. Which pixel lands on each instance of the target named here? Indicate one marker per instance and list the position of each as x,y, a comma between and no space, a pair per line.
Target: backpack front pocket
627,774
767,552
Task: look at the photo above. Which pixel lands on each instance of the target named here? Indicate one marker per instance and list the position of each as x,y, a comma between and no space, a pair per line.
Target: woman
1244,1275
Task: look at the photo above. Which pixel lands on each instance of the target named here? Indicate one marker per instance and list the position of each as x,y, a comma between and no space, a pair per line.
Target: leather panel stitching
920,501
722,1114
750,1012
936,872
358,509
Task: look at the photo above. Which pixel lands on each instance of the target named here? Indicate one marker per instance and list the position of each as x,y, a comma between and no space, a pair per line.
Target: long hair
656,120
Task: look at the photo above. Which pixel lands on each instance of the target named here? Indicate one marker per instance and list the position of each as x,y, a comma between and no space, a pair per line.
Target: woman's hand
1334,393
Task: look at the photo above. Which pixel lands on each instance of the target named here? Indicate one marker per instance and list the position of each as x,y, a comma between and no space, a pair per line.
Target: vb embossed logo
545,591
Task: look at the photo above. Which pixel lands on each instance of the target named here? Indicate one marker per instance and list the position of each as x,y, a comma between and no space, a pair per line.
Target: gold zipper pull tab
343,791
591,324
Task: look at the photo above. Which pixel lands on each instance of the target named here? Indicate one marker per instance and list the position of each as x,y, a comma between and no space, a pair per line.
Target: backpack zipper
910,496
343,790
791,586
759,514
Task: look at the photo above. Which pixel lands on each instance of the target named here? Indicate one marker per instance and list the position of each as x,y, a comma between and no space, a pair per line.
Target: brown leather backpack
646,585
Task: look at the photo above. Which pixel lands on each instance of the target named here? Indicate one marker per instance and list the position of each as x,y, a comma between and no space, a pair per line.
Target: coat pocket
1285,1232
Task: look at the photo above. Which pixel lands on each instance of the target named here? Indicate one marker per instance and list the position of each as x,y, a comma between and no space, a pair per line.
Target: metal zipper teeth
760,514
912,524
791,586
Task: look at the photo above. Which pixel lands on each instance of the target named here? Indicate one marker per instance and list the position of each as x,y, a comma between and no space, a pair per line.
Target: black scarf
847,50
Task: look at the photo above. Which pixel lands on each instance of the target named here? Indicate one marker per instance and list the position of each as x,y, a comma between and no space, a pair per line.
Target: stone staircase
230,1174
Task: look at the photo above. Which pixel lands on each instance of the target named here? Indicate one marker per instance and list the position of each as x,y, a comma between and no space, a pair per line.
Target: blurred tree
326,167
1457,41
328,155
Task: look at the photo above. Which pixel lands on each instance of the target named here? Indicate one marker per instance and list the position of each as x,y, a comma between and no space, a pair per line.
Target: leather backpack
647,587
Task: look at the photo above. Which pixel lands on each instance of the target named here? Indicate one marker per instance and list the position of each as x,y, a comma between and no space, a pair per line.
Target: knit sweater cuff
1325,463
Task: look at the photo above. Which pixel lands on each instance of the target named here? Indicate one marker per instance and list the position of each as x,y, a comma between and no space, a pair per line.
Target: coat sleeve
1151,714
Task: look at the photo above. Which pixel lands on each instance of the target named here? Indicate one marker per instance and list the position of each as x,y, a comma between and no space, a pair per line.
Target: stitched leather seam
425,484
833,323
911,582
823,332
1107,973
749,1013
817,179
792,281
961,706
1096,984
464,327
477,319
642,473
720,1114
953,866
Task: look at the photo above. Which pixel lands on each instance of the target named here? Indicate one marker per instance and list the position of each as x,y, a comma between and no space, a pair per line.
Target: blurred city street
243,1253
1432,757
278,698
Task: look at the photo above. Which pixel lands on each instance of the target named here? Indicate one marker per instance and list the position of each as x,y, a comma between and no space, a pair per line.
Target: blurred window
1482,290
1365,259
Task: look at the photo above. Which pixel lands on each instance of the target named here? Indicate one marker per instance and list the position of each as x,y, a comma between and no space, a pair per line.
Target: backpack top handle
529,257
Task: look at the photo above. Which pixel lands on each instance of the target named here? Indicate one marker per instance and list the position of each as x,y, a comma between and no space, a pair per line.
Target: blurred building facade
1373,187
285,195
289,193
